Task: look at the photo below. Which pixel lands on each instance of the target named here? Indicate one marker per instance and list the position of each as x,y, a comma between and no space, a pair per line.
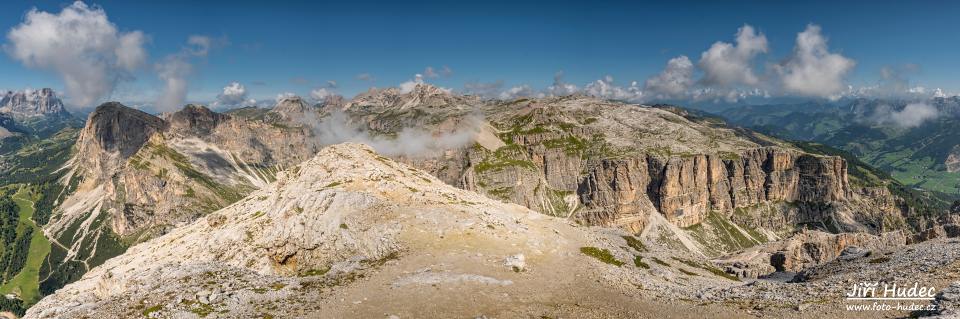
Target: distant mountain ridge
919,146
32,103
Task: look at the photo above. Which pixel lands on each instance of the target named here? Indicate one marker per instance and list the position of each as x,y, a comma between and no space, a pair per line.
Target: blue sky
298,46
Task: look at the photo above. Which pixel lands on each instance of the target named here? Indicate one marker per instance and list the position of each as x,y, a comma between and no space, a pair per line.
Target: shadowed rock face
685,189
113,133
116,128
196,119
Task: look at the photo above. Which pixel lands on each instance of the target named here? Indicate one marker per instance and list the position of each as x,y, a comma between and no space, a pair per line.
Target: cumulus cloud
813,70
234,94
82,46
912,115
726,65
605,88
561,87
284,95
674,81
174,69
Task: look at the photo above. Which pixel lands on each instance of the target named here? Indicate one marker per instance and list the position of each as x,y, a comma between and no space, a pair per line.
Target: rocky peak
289,108
30,103
115,128
422,95
196,119
291,104
333,102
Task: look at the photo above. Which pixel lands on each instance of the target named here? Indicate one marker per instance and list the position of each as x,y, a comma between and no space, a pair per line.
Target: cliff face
685,189
112,134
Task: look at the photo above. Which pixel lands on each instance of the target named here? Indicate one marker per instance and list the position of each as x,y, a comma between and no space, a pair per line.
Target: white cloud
284,96
728,95
173,71
726,65
408,86
912,115
234,94
674,81
321,94
518,92
201,45
82,46
813,70
605,88
939,93
412,142
559,87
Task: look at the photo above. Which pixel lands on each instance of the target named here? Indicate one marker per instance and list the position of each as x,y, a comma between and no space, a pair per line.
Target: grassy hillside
914,156
26,282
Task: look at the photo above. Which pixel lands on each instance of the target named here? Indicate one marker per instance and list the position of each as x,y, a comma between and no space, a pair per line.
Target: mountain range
265,212
915,142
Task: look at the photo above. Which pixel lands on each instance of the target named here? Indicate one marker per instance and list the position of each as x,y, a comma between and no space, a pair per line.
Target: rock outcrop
805,249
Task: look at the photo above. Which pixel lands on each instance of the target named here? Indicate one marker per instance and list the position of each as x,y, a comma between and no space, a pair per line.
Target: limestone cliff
686,189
